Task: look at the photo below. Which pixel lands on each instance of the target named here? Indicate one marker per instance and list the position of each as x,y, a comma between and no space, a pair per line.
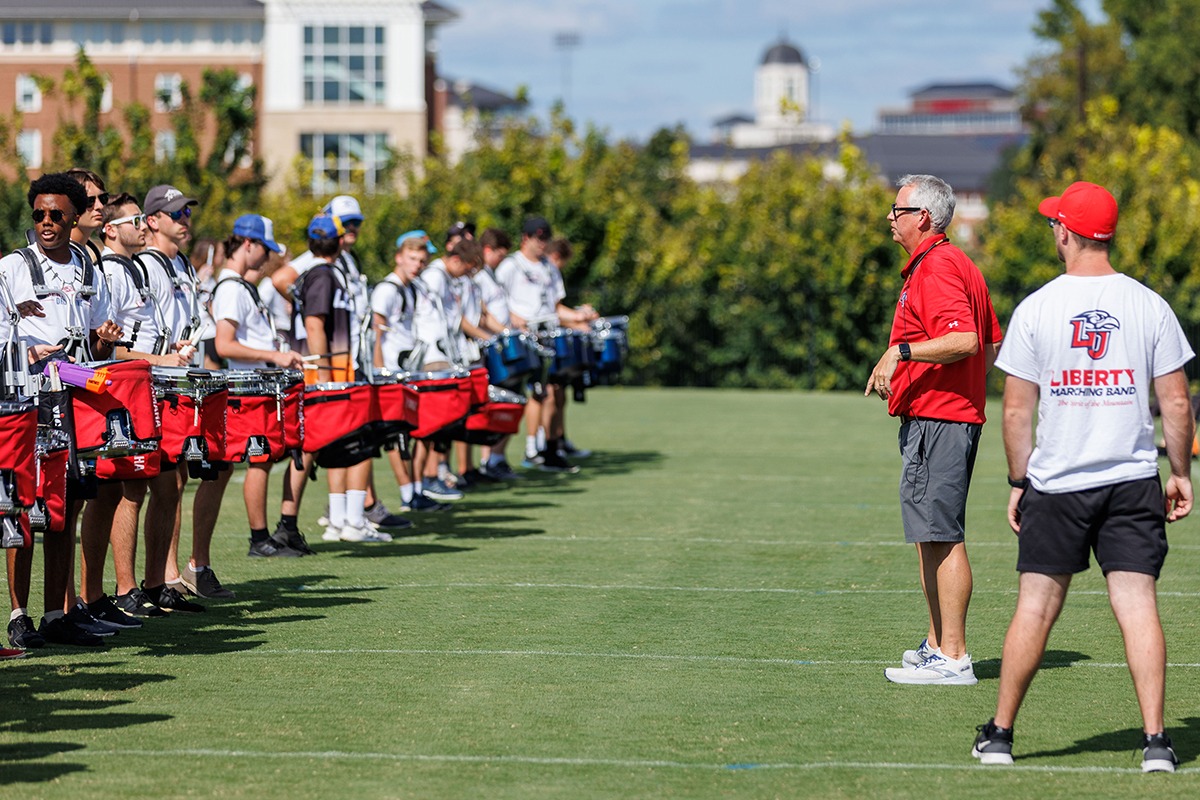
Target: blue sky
644,64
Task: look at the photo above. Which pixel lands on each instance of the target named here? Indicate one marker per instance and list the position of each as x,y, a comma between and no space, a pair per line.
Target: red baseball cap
1085,208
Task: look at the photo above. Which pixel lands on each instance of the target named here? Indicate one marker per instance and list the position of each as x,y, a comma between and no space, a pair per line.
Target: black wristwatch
905,351
1022,483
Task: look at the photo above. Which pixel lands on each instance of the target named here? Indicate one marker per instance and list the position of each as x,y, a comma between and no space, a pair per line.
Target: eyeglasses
102,197
186,211
57,215
1051,222
898,210
137,219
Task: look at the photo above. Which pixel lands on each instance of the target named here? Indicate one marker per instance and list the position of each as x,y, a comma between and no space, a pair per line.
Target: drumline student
246,339
91,220
495,244
393,301
76,290
113,513
324,316
559,253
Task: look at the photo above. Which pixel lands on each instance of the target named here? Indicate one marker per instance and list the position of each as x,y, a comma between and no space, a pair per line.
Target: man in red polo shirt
945,336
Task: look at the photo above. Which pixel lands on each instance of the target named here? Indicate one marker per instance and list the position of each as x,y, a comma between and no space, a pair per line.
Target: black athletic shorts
1123,524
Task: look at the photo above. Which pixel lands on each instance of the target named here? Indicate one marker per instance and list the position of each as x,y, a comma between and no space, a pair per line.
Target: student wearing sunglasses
87,229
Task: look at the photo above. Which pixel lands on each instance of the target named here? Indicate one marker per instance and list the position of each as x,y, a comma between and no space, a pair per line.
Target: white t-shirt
396,303
232,301
529,285
175,292
492,294
138,317
432,325
86,312
1093,345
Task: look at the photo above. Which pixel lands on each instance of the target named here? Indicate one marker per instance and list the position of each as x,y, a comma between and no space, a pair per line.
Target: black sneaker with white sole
553,462
106,611
63,631
1157,753
137,604
81,618
169,598
993,745
291,539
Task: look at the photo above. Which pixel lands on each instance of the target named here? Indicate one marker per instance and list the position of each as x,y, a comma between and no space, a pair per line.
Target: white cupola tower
781,87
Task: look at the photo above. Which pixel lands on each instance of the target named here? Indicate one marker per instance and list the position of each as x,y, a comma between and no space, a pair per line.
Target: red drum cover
179,423
18,437
332,414
52,488
132,389
130,468
501,418
444,401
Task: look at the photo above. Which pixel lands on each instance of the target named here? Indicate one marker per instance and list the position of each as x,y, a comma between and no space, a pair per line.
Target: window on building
344,161
29,96
29,148
344,64
27,33
164,146
168,91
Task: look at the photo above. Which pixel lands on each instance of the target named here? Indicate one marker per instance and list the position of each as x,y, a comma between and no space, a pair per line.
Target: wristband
1021,483
905,351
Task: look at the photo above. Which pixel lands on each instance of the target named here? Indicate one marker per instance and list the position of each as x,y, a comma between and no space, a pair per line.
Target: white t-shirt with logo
88,312
1093,345
232,301
138,317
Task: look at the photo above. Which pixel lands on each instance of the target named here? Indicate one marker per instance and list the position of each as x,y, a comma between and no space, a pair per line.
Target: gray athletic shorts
938,459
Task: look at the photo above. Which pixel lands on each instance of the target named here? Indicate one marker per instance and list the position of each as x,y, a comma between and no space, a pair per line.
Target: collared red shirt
944,292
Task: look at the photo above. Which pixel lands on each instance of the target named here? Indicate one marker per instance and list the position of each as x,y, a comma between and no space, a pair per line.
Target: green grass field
705,611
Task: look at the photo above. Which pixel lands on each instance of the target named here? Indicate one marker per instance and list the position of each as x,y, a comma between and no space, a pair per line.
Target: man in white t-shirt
245,337
1084,351
67,312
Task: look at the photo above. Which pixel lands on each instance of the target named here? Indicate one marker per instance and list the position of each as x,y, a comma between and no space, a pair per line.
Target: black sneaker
1157,754
380,518
168,598
106,611
63,631
204,583
994,745
81,618
553,462
478,476
22,634
422,502
269,549
282,537
137,604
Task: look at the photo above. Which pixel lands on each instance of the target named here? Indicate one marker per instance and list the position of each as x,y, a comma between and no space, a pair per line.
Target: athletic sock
531,448
288,521
337,510
18,612
256,535
418,487
541,439
355,500
406,493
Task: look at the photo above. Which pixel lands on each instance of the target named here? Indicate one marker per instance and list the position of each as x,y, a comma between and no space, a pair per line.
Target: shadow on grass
397,548
989,668
43,698
1186,742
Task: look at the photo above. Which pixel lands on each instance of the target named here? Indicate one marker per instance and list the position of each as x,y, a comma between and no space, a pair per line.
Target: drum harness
75,343
280,343
180,283
138,278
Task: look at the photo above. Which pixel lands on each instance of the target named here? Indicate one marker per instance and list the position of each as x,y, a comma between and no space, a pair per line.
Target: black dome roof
783,53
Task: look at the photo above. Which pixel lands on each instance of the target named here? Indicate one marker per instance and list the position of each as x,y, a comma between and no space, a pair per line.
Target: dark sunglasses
102,197
57,215
898,210
186,211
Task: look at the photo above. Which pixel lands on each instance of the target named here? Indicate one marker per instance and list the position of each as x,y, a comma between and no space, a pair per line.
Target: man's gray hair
932,194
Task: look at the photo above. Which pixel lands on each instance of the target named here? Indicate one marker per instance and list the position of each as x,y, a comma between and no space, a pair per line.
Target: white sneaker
332,534
364,534
937,669
912,658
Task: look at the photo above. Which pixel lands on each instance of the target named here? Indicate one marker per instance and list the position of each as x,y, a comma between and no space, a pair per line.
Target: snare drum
479,387
572,354
192,404
18,467
121,419
265,414
397,406
500,416
445,399
511,359
335,411
610,348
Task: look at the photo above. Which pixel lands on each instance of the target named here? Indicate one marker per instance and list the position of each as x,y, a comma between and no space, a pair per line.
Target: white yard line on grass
567,761
771,542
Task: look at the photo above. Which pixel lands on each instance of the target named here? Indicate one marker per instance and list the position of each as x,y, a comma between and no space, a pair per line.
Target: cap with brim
254,226
324,226
536,226
404,237
345,208
165,198
1085,209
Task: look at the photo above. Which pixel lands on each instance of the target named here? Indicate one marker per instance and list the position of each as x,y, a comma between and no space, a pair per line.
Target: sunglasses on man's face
186,211
136,220
102,197
57,215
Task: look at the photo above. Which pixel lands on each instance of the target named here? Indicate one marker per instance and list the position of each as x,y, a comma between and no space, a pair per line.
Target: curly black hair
60,183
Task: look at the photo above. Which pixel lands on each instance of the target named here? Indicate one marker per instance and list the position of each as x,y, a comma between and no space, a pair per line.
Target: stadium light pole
566,42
